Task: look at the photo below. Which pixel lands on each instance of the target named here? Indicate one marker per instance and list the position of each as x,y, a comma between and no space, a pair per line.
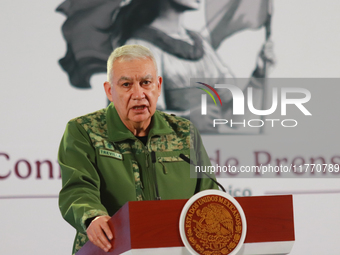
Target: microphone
153,159
189,161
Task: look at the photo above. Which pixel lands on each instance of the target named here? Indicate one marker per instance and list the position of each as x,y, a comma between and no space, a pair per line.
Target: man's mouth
139,107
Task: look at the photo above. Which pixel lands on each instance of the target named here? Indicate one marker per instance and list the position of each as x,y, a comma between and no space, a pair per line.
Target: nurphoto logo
286,95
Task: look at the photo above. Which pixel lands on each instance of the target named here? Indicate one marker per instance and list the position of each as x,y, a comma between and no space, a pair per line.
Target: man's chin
140,118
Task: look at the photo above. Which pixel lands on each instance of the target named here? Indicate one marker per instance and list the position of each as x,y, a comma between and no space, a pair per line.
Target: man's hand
267,56
96,230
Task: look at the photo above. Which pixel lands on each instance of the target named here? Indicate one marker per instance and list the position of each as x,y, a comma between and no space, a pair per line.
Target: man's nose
137,92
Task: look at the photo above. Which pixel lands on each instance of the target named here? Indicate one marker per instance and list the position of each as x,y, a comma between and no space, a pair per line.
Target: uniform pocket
169,159
174,175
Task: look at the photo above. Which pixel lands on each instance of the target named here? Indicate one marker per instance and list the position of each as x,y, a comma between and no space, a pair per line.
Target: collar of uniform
117,131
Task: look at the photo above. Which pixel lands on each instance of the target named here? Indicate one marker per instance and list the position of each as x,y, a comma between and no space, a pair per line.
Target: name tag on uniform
111,154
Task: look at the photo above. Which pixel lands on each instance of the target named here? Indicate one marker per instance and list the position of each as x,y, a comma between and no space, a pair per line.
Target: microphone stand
189,161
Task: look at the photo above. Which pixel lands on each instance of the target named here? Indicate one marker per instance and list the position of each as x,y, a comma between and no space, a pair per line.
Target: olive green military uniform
103,165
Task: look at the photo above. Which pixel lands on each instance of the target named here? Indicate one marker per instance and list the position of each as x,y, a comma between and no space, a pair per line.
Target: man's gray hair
127,53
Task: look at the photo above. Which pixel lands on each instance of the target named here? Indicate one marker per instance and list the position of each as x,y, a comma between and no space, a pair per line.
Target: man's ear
108,90
160,80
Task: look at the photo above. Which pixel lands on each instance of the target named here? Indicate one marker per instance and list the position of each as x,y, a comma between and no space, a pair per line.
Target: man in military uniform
120,153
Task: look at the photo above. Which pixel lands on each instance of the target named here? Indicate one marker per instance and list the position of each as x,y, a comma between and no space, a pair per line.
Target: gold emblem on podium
212,223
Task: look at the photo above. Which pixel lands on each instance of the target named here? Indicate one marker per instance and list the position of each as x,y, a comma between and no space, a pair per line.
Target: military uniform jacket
103,165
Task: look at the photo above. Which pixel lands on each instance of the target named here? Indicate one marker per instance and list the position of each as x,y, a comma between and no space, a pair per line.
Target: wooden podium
152,227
